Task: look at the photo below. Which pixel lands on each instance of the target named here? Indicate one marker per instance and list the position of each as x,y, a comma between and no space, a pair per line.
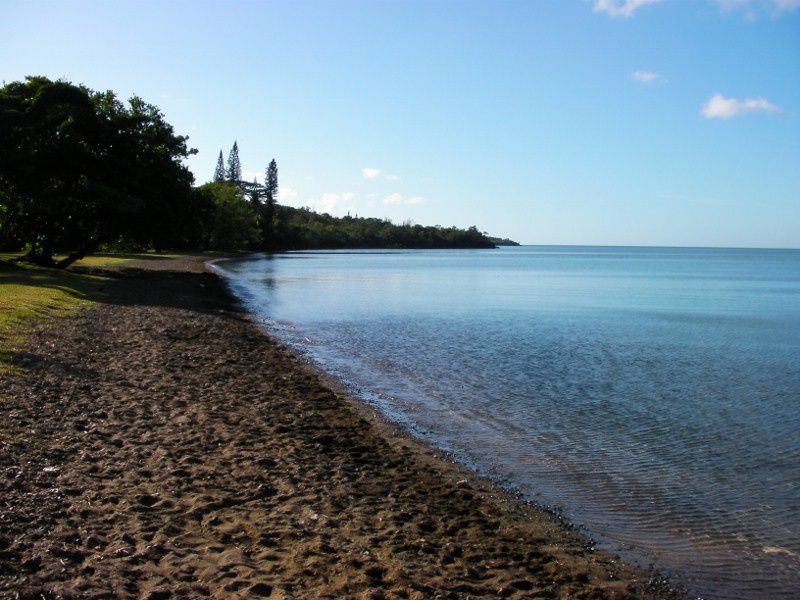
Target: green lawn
29,294
100,260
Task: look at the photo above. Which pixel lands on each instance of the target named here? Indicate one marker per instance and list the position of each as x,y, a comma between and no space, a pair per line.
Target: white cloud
332,203
626,8
400,199
779,5
392,178
752,8
727,5
621,8
286,194
393,199
250,175
720,107
648,77
370,173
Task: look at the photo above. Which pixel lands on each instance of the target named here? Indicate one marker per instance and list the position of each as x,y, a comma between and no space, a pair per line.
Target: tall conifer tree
272,182
219,172
255,195
234,171
268,208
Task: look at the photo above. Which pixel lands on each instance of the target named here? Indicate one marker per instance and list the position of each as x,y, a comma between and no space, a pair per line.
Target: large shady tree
80,168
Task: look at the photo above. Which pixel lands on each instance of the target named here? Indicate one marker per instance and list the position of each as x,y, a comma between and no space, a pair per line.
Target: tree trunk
42,260
89,248
71,258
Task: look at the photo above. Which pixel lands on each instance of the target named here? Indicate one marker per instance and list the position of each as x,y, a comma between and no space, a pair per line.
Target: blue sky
652,122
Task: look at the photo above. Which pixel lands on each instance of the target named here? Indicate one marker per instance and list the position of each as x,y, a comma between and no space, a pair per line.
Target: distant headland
503,241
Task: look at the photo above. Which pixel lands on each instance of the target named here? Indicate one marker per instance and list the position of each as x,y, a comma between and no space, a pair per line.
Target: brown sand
160,445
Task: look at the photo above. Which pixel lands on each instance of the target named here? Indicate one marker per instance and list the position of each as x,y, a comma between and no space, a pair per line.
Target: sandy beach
161,445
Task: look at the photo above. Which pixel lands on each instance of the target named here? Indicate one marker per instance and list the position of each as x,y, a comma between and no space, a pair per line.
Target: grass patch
108,260
29,294
100,260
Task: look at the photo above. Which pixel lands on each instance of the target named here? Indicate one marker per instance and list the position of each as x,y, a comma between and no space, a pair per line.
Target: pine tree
219,172
234,170
255,195
272,182
268,208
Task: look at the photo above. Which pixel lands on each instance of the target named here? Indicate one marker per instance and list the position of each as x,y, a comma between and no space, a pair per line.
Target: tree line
248,207
82,171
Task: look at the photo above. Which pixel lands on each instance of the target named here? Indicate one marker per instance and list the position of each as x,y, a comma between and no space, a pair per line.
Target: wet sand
160,445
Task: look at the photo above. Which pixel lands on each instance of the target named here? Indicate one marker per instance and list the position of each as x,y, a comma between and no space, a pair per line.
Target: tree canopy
219,171
301,228
234,170
82,169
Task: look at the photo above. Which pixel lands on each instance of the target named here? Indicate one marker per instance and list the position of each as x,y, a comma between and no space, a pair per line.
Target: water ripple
652,395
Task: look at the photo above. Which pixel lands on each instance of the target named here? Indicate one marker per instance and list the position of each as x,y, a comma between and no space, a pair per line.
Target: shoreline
525,507
303,490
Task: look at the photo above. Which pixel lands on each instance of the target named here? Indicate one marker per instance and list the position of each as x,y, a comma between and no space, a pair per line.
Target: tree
272,181
219,172
233,223
168,209
255,195
54,184
79,168
268,208
234,170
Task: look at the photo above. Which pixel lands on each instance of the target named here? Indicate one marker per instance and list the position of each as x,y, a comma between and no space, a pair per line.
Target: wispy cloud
397,198
648,77
626,8
392,178
370,173
250,175
750,6
720,107
332,203
729,5
621,8
286,194
393,199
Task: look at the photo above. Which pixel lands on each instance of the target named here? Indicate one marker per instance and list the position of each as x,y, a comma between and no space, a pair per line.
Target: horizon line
657,246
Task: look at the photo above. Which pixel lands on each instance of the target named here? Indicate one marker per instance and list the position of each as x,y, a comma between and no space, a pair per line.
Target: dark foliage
219,171
503,241
81,170
233,172
232,222
300,228
267,215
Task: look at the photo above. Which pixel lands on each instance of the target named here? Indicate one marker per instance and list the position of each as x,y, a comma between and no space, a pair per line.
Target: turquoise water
651,395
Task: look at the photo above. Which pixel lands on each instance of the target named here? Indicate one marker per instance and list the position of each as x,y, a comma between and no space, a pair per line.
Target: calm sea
652,395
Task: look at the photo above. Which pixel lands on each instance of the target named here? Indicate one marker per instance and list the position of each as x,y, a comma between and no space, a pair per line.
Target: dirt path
159,445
